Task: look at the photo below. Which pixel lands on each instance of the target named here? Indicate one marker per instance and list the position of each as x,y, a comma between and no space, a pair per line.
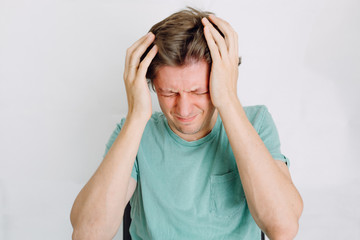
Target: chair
127,221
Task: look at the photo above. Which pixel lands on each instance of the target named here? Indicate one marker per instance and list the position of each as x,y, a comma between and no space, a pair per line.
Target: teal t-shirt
192,190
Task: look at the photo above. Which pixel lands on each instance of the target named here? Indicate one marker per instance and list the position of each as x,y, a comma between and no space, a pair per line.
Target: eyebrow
191,90
166,90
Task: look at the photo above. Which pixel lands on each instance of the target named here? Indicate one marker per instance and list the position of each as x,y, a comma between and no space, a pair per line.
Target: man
204,168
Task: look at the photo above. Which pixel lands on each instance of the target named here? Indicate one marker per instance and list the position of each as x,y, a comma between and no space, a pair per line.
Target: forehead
187,77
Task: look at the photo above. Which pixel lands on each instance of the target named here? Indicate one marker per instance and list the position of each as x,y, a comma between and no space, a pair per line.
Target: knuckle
142,63
226,24
142,67
128,51
137,52
133,61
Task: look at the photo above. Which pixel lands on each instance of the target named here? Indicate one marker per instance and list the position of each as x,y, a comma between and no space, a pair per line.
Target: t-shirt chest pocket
227,196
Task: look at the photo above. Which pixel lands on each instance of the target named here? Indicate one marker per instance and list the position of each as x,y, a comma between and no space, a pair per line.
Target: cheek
205,101
166,103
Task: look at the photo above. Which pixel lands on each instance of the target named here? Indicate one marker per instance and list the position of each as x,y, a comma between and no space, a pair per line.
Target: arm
98,209
273,200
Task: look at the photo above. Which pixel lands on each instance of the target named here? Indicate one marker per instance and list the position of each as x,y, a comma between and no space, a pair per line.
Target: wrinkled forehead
188,77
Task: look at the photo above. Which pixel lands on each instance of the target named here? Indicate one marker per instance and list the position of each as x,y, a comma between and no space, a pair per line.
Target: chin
189,131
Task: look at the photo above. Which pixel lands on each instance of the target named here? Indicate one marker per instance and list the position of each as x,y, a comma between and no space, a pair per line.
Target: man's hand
137,91
96,210
225,59
268,188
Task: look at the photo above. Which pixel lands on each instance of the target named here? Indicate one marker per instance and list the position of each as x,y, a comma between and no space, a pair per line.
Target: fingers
229,33
214,50
230,36
147,60
134,53
216,37
134,46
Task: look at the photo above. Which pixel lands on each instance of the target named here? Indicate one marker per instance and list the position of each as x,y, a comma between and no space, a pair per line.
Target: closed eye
201,93
173,94
168,94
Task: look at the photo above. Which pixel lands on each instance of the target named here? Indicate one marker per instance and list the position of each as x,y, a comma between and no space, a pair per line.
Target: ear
150,83
153,84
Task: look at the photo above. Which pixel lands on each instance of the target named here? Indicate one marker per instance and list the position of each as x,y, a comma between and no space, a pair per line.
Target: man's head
180,73
184,98
180,39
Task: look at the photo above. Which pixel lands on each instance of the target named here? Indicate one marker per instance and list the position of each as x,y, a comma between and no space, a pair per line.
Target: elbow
89,234
93,225
77,235
84,229
93,229
286,230
81,235
287,226
81,232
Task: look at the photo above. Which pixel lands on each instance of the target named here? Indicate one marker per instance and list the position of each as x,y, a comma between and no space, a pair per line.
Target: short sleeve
134,173
269,134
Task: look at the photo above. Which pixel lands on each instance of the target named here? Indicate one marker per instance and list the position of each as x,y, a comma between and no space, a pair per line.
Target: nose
184,105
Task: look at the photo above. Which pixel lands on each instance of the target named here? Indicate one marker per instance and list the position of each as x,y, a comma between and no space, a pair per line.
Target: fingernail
205,19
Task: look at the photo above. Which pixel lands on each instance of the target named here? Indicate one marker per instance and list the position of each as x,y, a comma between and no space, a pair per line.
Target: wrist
231,112
227,102
139,120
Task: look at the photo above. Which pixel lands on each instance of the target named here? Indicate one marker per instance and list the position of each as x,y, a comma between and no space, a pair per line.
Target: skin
184,98
273,200
98,209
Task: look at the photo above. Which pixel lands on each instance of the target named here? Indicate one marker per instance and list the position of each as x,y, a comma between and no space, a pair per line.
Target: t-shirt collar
202,140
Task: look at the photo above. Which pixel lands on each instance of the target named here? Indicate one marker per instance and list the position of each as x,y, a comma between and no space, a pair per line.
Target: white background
62,93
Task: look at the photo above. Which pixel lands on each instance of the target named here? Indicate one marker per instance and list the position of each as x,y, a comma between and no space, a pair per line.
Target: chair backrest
127,222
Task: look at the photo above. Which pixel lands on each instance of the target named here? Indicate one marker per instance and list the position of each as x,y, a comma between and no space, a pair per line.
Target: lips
185,120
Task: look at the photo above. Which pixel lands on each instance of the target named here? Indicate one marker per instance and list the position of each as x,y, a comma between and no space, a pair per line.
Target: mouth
186,119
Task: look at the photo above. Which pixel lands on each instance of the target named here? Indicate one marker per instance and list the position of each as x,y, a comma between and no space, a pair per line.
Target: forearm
272,198
100,204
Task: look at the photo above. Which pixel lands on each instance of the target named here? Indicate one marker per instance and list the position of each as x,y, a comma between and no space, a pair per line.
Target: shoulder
155,118
156,122
256,114
153,127
254,110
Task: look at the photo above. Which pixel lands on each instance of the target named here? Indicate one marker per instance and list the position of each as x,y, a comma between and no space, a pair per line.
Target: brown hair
180,39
